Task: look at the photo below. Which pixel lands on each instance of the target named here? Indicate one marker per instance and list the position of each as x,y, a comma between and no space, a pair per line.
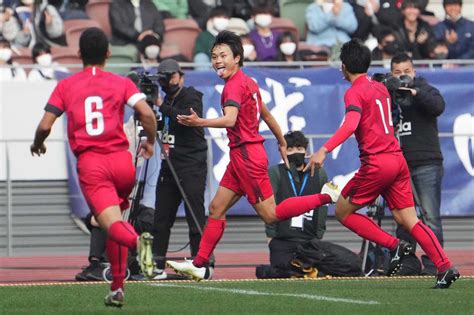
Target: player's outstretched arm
148,120
226,121
276,130
42,132
348,127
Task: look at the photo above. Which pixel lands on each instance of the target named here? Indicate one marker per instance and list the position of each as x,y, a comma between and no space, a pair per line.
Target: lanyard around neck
303,185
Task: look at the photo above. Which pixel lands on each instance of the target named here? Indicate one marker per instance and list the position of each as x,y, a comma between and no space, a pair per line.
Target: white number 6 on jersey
94,117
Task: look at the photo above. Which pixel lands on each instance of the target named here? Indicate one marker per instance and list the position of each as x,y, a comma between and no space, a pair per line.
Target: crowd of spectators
387,27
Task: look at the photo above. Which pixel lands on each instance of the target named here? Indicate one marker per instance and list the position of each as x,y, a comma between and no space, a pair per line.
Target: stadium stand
295,11
283,24
74,29
67,56
98,10
182,32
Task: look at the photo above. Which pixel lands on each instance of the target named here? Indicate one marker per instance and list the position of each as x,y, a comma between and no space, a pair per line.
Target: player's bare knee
216,212
269,219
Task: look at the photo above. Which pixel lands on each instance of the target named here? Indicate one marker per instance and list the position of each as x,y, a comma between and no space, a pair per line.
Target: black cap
169,66
445,2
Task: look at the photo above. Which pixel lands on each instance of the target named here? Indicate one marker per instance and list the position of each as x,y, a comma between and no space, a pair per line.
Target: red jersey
94,103
242,92
374,133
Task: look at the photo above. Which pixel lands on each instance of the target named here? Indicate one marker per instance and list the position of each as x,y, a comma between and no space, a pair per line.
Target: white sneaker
332,190
187,269
160,274
145,256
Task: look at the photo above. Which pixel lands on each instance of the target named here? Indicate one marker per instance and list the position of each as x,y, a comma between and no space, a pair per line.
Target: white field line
253,292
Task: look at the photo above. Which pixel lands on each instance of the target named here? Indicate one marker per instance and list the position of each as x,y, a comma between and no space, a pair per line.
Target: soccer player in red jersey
93,101
383,169
247,171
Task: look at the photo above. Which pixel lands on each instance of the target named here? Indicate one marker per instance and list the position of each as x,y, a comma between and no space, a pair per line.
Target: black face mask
170,89
296,158
391,48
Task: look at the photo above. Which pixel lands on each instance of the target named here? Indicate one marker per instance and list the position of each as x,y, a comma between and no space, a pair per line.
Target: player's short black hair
233,41
93,45
399,58
296,139
355,56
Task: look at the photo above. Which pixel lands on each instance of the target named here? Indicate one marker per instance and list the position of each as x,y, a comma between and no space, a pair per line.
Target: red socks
117,255
430,244
124,234
365,227
212,234
295,206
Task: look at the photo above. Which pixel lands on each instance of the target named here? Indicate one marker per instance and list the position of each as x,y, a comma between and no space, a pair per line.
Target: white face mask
248,49
27,2
5,54
288,48
327,7
263,20
220,23
44,60
152,52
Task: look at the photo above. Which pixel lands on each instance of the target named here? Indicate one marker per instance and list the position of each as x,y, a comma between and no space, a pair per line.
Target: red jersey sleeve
353,101
56,102
132,94
232,94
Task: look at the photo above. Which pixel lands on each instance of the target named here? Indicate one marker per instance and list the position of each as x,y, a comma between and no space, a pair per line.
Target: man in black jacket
187,151
132,20
418,132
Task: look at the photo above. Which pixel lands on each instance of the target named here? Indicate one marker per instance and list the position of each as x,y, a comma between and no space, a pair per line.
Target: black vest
313,226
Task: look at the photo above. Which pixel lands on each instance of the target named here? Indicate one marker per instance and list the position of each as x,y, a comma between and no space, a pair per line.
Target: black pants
282,252
168,199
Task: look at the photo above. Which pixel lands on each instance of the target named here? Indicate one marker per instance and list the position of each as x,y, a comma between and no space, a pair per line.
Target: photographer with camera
186,148
420,105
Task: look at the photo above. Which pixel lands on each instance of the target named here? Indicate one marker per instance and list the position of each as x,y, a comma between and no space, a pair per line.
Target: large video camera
399,95
147,84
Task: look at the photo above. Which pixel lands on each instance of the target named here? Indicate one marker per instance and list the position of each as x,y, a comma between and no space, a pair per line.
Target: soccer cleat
332,190
187,269
445,279
402,250
114,298
160,274
145,256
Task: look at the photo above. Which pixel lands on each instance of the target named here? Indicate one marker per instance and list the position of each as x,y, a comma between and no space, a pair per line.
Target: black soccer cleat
397,255
445,279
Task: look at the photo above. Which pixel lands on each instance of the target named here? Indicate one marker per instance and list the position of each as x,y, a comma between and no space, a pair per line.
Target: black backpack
329,258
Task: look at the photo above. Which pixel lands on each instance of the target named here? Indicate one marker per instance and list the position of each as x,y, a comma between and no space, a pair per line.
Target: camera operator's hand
413,91
192,120
147,149
159,101
316,160
37,149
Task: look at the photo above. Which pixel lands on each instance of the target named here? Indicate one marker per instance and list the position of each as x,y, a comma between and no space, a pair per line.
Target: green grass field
398,296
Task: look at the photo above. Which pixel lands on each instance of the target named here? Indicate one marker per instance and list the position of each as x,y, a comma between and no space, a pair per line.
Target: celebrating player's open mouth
224,62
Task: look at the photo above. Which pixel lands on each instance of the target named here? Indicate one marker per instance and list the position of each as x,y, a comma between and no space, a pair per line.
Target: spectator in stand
41,55
74,10
9,25
184,9
132,20
8,69
364,11
330,22
243,8
439,49
388,46
218,21
414,33
249,49
263,37
288,48
457,31
149,49
390,13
